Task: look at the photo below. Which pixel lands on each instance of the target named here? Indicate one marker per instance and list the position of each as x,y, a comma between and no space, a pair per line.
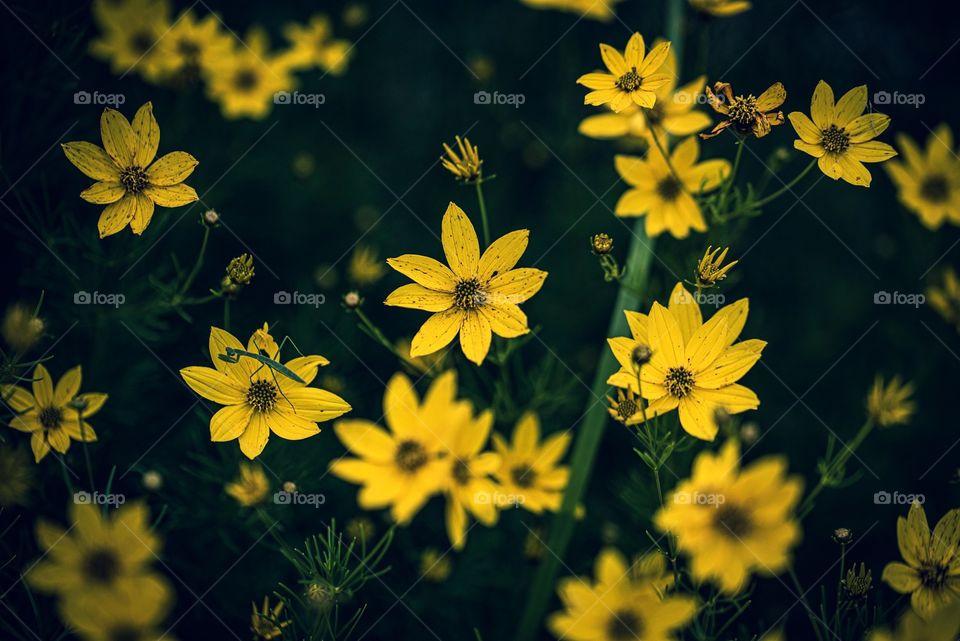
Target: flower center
935,189
933,576
733,521
679,381
188,48
133,179
468,294
262,396
101,565
626,408
124,633
523,475
410,456
669,188
629,81
245,80
743,111
50,417
461,473
141,42
625,625
835,139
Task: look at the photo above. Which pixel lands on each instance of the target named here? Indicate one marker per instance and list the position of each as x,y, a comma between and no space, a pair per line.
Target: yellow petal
913,535
830,165
684,308
147,132
605,126
635,51
601,97
731,365
118,138
214,385
414,296
171,195
103,193
808,132
697,417
17,398
456,520
613,60
92,160
401,406
366,440
871,151
867,127
426,271
707,175
654,60
230,422
821,106
505,320
526,435
217,346
80,431
732,398
59,440
475,336
460,244
171,168
314,404
902,578
68,386
290,426
255,437
597,81
853,171
772,98
437,332
516,285
502,254
116,216
706,344
142,213
42,386
814,150
666,340
850,105
306,366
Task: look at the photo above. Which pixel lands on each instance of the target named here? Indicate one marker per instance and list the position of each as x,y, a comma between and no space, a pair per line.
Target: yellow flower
746,114
265,623
694,366
469,488
710,269
621,603
259,400
313,45
53,416
405,466
474,297
428,364
130,33
434,566
130,183
720,8
251,487
931,572
191,47
245,81
889,403
22,328
97,555
602,10
733,522
365,266
625,408
839,136
135,613
465,165
928,183
633,77
946,298
529,476
942,626
656,193
673,113
16,476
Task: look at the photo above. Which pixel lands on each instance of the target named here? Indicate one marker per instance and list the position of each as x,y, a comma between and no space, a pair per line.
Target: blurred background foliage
298,188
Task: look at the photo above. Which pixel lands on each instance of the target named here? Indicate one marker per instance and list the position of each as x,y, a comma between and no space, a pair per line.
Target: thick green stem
483,213
787,187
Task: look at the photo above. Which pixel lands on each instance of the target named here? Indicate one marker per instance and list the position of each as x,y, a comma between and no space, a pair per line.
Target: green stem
806,606
483,213
86,450
377,335
226,314
198,264
787,187
834,466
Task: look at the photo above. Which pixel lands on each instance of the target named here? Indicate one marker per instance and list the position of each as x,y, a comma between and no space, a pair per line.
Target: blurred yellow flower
655,192
945,299
942,626
403,467
621,603
720,8
632,77
259,400
313,45
365,267
251,487
889,403
602,10
191,47
928,182
428,364
130,183
748,115
529,476
53,416
840,135
135,613
673,113
930,573
694,366
265,623
16,476
734,522
130,32
475,297
465,162
246,81
434,566
22,328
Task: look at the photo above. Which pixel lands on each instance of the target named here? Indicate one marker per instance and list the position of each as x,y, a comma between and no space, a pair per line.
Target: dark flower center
743,111
523,475
625,625
733,521
133,179
679,381
626,408
124,633
468,294
933,576
629,81
188,48
835,139
461,473
262,396
669,188
50,417
410,456
245,80
935,189
142,41
101,565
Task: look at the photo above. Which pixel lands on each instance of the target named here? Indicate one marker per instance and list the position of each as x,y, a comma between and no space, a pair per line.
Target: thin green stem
86,450
198,264
483,212
835,466
806,606
376,334
663,151
767,200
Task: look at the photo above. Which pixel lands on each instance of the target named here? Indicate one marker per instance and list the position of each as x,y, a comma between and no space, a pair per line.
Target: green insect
233,355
